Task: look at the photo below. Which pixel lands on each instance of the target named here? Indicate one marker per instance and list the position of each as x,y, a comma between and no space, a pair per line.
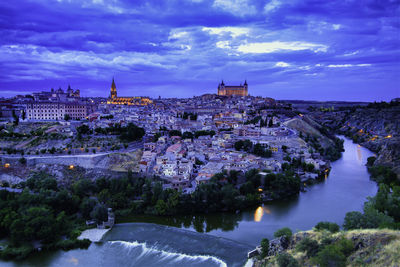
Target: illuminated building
126,100
233,90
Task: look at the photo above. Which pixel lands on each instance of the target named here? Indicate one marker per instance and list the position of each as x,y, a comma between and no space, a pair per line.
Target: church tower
113,90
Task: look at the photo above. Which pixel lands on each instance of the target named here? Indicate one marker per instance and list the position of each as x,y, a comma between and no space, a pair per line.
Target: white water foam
249,263
165,254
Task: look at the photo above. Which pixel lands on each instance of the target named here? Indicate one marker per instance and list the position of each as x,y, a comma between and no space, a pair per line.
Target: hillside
376,126
345,248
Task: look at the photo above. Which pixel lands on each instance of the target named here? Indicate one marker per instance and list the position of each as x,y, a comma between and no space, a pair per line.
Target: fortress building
233,90
126,100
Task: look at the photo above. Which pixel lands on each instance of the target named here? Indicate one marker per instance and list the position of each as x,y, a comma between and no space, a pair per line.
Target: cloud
270,47
232,31
271,5
282,64
236,7
348,65
189,45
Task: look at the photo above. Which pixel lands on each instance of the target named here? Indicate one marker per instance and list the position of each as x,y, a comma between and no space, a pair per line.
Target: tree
286,260
264,247
271,122
331,227
83,129
23,115
285,231
16,118
67,117
99,213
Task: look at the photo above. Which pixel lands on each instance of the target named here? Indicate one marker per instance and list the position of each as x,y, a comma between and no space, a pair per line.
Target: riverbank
370,247
94,235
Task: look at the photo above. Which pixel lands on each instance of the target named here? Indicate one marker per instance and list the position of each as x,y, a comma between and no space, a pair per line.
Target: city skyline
312,50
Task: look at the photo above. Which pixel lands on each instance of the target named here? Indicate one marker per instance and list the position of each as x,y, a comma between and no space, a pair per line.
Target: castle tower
113,93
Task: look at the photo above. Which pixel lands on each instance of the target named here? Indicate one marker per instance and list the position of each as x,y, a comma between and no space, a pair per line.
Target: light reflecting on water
359,154
259,213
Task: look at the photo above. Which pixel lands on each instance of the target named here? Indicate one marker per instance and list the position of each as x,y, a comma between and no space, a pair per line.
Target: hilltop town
184,142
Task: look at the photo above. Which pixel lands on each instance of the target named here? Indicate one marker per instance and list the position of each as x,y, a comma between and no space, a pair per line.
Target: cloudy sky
286,49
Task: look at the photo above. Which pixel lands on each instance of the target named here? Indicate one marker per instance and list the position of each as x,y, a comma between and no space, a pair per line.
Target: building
126,100
56,110
233,90
56,104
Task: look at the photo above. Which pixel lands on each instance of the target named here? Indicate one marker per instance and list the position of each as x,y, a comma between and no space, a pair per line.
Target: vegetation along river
180,240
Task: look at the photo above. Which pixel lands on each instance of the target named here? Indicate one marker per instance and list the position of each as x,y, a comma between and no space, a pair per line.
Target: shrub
264,247
286,260
16,253
286,232
22,160
309,246
331,227
330,255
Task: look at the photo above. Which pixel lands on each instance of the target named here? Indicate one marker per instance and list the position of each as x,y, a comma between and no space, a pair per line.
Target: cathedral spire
113,89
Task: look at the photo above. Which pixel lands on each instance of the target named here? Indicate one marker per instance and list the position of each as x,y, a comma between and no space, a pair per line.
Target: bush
286,232
16,253
264,247
330,255
22,160
331,227
309,246
371,161
286,260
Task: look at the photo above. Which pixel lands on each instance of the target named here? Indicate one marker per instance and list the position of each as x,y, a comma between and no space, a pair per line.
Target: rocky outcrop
371,247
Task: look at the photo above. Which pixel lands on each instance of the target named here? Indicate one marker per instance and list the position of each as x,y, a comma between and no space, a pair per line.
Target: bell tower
113,93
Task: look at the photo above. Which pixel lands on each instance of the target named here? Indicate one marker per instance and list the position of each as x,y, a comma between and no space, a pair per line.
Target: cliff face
365,248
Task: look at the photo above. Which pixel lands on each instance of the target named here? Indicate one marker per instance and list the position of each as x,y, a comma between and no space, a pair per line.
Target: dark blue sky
294,49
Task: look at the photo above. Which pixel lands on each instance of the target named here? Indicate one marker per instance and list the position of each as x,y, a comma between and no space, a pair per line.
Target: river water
223,239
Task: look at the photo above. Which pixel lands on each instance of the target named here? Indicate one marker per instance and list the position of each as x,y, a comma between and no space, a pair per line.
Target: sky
294,49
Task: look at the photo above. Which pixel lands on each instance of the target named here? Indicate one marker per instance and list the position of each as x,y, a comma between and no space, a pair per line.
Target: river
151,241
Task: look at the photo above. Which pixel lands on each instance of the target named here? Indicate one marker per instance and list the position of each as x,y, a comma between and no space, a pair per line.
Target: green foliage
22,160
175,133
99,214
83,129
309,246
334,254
331,227
371,218
382,174
264,247
286,260
371,161
17,253
285,231
282,185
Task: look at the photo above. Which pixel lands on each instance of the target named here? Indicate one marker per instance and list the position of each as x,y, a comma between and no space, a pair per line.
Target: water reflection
259,212
359,154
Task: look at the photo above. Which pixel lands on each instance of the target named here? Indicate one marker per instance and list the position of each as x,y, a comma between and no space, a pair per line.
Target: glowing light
301,115
260,190
388,136
71,167
258,214
7,165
